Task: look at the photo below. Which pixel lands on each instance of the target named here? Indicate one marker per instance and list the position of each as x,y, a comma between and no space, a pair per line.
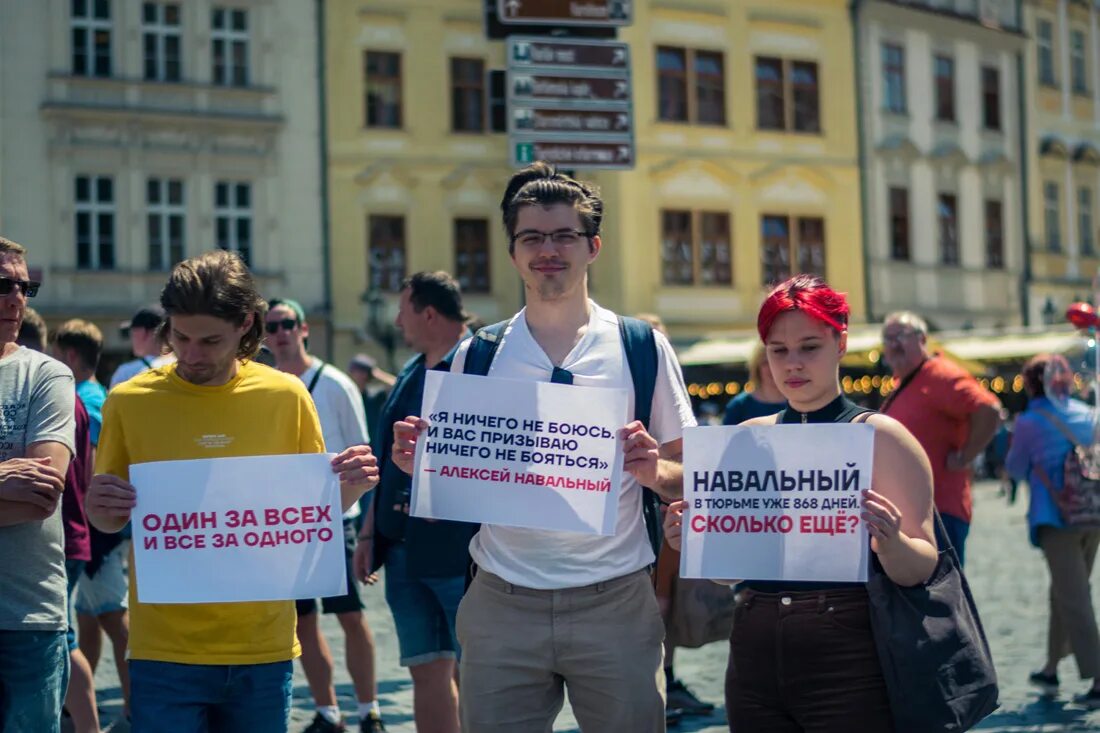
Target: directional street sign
607,13
569,102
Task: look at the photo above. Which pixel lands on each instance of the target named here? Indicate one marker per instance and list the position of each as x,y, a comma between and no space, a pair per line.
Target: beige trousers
1070,554
524,649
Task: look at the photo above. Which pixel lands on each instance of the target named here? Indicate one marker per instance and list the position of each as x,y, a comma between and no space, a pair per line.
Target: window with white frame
1044,42
1078,73
233,218
1052,216
1084,220
91,37
165,216
893,78
162,41
94,225
229,39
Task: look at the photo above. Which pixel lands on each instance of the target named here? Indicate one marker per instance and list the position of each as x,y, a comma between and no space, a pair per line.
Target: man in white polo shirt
343,424
552,610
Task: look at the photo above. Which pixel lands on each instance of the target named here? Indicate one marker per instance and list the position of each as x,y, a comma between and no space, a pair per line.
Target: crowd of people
495,624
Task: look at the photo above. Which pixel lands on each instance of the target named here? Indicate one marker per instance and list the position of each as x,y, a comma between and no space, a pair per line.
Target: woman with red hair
802,654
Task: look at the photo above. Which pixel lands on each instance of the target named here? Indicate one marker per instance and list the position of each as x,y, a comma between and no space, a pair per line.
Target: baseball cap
150,316
364,362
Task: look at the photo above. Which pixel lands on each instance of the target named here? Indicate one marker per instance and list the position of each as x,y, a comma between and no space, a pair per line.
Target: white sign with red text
219,530
778,502
520,454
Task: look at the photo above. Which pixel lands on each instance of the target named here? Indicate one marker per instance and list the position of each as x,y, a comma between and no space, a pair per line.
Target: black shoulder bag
931,645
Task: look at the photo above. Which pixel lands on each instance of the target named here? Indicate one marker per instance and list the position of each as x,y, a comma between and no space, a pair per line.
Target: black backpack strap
483,347
641,356
316,377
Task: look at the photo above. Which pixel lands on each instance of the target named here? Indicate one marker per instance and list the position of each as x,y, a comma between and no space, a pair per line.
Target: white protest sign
776,502
520,454
263,528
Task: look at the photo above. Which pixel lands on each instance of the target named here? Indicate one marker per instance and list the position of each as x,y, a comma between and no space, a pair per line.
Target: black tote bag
933,651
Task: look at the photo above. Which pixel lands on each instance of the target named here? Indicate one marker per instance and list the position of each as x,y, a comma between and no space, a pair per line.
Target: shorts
107,591
350,602
424,611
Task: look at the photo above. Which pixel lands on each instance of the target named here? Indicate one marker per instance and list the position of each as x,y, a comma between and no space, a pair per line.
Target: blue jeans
73,569
196,698
424,611
34,673
957,531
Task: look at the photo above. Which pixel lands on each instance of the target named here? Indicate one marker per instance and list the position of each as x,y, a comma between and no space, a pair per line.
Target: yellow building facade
746,164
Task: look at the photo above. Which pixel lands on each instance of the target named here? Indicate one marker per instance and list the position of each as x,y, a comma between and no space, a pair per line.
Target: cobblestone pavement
1008,577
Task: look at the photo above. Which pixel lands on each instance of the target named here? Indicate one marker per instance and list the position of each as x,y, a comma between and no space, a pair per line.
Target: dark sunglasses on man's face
29,288
287,324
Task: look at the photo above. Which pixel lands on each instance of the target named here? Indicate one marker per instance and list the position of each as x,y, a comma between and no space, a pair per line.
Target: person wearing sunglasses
38,394
343,423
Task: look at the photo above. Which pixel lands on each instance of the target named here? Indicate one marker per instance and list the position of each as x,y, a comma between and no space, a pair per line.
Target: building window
91,37
165,222
467,95
472,255
710,88
696,248
1044,39
1084,220
386,253
95,222
229,35
382,72
948,215
899,224
1052,217
994,236
1077,68
944,68
161,41
991,98
672,85
233,218
680,70
893,78
787,95
806,249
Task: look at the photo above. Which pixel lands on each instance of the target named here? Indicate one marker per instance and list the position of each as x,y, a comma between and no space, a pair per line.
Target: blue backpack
641,357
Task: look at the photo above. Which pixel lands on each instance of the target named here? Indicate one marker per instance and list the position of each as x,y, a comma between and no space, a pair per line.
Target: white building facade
942,159
136,134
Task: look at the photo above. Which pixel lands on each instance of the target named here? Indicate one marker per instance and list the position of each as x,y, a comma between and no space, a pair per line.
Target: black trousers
805,663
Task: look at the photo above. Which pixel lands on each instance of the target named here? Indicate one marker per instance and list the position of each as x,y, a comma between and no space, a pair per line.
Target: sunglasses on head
29,288
287,324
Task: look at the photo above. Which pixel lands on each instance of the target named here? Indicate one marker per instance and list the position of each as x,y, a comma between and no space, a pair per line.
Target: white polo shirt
552,560
340,410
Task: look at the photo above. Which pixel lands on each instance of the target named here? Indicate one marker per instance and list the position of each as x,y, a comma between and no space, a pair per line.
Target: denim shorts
34,672
166,697
424,611
107,590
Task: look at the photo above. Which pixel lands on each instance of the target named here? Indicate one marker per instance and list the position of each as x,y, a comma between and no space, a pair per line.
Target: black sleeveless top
840,410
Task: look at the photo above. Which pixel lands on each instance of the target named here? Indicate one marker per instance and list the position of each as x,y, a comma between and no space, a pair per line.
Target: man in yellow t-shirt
210,666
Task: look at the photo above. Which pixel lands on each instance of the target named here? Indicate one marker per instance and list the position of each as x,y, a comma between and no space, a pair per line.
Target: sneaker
1047,683
1090,699
680,697
673,717
372,724
321,725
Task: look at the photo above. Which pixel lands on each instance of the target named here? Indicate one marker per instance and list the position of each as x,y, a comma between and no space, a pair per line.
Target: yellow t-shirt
157,416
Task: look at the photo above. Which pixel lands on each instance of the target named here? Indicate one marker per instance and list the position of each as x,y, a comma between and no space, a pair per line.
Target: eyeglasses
897,338
561,237
287,324
29,288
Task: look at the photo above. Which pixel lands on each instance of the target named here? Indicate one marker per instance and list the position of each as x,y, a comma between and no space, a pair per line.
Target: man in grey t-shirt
36,443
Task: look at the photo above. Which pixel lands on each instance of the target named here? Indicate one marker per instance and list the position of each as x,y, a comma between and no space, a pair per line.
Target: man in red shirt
947,411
